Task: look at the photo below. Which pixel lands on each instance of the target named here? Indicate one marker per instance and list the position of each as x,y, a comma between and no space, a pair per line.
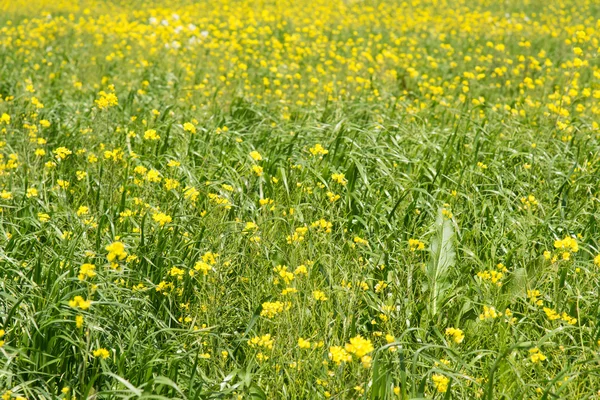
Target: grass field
294,199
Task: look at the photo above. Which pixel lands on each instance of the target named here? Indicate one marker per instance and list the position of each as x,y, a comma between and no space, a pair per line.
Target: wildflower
338,355
102,353
86,271
298,235
568,319
257,169
79,321
151,134
491,276
203,267
303,344
533,297
255,155
536,355
83,210
318,150
176,272
171,184
440,382
339,178
191,193
162,219
43,217
250,226
80,302
333,197
116,250
2,333
301,270
282,271
270,309
551,314
189,127
456,334
106,100
322,225
568,243
31,192
264,341
489,313
359,240
319,295
359,346
415,244
366,361
61,153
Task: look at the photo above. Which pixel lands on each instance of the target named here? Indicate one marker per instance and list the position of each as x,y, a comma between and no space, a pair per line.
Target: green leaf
443,258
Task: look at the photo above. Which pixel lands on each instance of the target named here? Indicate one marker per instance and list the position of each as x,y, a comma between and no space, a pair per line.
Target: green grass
421,158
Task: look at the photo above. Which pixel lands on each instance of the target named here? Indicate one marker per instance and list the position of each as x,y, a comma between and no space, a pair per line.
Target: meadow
295,199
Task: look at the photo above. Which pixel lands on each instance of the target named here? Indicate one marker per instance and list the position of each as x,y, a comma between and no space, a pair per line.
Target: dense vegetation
299,199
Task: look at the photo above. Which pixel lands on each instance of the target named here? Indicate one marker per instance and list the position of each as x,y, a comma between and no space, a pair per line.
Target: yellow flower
80,302
536,355
359,240
359,346
86,271
568,243
43,217
318,150
107,100
162,218
61,153
337,354
102,353
415,244
31,192
303,344
191,193
319,295
339,178
255,155
270,309
257,169
264,341
151,134
83,210
457,334
440,382
489,313
189,127
116,250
